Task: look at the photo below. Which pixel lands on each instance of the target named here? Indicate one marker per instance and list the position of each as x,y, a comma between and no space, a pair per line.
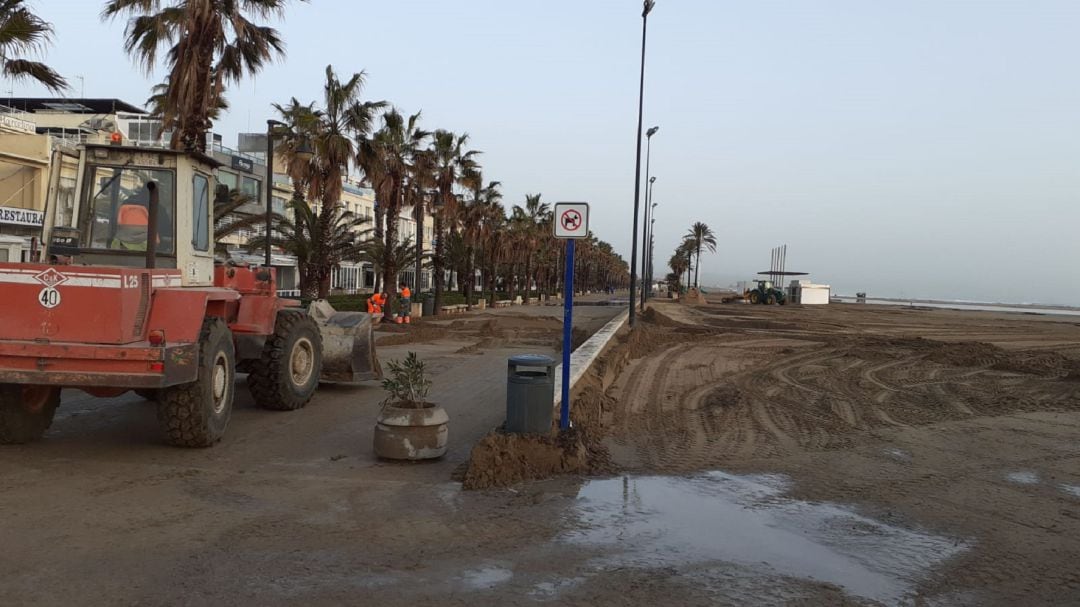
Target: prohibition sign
571,219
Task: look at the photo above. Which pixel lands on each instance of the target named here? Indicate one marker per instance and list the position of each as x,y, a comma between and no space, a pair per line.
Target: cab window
200,220
118,215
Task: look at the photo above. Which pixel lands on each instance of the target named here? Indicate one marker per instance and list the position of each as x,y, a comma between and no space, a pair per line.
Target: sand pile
693,297
499,460
415,333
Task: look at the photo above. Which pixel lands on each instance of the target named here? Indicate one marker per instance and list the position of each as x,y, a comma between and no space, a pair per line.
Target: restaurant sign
22,217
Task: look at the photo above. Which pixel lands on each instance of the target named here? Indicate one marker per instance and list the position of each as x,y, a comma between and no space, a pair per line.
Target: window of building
250,186
229,180
144,131
200,219
279,204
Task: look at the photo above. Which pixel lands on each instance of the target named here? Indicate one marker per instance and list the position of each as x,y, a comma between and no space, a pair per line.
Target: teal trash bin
530,394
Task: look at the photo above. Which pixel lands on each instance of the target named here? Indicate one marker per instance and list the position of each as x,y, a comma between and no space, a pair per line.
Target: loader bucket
348,344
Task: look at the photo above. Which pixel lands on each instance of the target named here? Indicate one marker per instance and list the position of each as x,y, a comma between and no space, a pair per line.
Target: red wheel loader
131,298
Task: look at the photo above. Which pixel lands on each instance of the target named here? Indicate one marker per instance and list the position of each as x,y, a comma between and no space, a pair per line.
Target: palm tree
679,265
701,236
206,44
375,252
386,158
421,180
531,217
479,217
319,241
23,32
686,249
343,121
332,131
452,163
301,125
496,248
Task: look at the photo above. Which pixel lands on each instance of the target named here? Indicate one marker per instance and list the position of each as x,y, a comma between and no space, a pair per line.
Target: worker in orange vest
406,303
375,304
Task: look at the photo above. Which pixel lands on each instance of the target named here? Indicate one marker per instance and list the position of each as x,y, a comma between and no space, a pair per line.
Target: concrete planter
411,434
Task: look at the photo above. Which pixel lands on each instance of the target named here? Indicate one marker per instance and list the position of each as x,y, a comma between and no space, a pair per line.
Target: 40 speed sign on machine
571,223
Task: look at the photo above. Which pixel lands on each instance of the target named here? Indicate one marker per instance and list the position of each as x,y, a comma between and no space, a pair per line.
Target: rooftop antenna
82,87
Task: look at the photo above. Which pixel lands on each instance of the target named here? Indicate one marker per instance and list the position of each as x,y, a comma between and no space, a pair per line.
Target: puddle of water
898,454
486,577
663,521
1073,490
551,590
1023,477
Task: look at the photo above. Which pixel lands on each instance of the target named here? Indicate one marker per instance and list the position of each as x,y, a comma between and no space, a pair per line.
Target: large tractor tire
196,414
26,412
770,299
287,375
755,297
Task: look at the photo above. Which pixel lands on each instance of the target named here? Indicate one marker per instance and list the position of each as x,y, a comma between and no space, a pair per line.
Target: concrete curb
586,354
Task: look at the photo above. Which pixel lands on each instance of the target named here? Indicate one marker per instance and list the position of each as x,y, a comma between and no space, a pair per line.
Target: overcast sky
901,147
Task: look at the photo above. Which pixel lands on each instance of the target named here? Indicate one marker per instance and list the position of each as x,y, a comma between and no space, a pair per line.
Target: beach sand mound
500,459
693,297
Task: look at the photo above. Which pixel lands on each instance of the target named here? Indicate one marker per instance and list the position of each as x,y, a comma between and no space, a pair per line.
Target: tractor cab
135,208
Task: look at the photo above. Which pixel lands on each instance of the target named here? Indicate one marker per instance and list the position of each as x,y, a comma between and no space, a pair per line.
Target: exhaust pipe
151,225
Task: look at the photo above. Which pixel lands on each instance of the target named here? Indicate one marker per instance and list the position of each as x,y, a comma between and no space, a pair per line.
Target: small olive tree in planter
410,427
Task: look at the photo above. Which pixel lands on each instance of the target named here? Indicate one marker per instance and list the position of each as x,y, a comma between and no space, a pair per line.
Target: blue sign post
571,222
568,323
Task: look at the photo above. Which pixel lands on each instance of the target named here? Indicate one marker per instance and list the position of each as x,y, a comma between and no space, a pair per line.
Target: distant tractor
766,293
131,298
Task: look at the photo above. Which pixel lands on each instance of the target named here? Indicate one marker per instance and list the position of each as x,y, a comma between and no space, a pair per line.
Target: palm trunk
390,269
492,269
440,248
324,284
418,209
697,285
470,277
528,275
380,214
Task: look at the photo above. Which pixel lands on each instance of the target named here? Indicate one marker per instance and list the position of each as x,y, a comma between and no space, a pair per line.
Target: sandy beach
840,455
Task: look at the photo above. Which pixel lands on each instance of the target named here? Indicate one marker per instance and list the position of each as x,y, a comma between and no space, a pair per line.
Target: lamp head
652,131
652,179
304,151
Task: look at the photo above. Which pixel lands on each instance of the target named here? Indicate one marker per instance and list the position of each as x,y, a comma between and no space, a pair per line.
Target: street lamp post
268,185
645,230
647,7
647,271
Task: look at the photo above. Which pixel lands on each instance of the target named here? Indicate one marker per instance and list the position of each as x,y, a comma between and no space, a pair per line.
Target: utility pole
648,6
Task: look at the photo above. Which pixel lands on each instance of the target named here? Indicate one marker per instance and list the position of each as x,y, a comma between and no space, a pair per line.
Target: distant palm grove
206,46
687,256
